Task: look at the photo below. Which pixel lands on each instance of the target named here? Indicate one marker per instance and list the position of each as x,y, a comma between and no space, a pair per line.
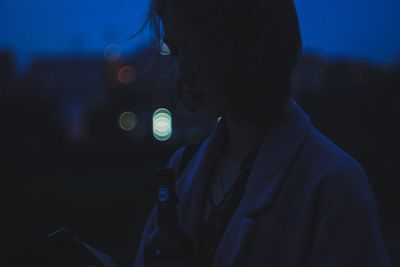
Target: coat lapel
278,150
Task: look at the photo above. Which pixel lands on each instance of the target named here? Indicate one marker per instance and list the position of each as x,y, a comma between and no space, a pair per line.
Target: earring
164,48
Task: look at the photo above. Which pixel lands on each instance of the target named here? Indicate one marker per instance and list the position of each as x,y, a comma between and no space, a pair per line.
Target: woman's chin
201,113
207,114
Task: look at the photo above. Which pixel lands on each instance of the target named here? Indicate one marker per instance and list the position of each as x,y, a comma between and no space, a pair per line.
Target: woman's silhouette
265,188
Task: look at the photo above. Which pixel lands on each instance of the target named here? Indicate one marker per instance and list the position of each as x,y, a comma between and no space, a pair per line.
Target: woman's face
198,82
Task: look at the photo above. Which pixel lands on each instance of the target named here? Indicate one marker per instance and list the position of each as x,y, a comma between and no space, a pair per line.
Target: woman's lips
195,94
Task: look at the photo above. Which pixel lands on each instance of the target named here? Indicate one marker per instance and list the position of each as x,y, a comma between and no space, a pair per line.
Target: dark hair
258,43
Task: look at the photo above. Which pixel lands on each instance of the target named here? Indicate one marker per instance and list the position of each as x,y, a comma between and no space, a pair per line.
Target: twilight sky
363,29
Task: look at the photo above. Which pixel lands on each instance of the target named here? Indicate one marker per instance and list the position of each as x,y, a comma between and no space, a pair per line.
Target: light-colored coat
306,203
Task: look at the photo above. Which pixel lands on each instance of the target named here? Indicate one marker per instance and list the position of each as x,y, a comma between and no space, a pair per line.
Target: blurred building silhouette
68,162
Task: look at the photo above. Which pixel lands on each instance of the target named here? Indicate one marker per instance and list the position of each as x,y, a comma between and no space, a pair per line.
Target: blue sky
363,29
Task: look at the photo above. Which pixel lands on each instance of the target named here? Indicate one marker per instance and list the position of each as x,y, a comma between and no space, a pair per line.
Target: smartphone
66,247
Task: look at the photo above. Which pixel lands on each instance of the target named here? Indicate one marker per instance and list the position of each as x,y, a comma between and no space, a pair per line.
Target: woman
265,188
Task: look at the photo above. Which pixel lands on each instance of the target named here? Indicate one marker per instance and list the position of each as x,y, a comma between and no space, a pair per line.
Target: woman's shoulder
336,175
331,156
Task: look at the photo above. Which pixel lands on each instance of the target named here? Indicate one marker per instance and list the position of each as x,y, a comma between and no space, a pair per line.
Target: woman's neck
242,137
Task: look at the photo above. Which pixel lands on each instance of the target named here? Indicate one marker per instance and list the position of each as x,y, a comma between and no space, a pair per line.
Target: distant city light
127,121
162,124
112,52
126,75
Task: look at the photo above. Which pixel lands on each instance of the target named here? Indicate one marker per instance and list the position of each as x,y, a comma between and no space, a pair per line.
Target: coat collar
277,151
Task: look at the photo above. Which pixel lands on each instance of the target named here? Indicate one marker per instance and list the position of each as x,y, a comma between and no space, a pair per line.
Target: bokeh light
126,75
112,52
127,121
162,124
